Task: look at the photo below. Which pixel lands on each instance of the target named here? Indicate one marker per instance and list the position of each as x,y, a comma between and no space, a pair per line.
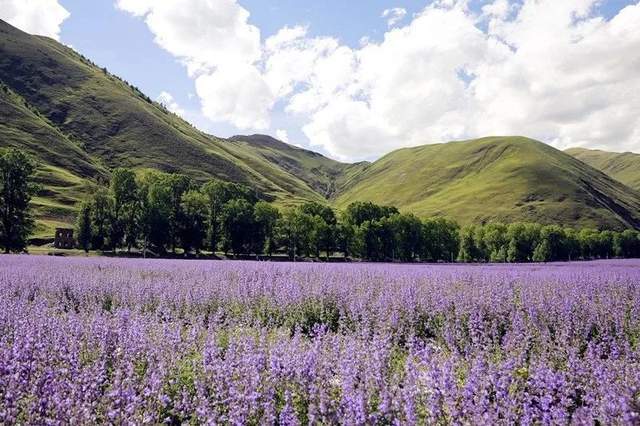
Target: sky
356,79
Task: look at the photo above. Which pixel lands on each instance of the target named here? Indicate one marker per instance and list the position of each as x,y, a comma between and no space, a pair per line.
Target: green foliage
16,189
124,192
495,179
156,211
627,244
219,193
313,229
194,223
360,212
441,240
408,236
177,185
237,221
523,238
468,250
84,230
266,218
101,217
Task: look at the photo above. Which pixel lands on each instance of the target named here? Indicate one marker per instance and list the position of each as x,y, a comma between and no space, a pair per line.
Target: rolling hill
622,166
496,178
77,117
79,121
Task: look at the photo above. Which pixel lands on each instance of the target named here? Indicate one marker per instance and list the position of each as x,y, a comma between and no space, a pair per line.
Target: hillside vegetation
496,178
79,121
114,124
622,166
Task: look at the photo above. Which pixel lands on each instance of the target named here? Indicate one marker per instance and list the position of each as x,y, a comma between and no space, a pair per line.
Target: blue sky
335,76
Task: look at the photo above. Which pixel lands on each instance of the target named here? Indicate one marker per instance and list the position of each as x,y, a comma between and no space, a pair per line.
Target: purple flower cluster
147,342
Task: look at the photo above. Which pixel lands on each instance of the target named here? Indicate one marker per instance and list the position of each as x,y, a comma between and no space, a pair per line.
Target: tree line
159,213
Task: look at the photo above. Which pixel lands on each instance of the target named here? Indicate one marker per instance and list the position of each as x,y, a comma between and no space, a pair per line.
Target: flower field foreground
131,341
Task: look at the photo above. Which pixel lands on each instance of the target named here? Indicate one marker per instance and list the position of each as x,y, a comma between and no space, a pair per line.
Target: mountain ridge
622,166
502,178
80,121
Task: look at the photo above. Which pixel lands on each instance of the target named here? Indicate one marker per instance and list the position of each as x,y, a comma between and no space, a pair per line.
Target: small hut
64,238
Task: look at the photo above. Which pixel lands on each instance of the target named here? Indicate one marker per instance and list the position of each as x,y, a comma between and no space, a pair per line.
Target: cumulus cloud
545,69
394,15
220,48
41,17
282,135
548,69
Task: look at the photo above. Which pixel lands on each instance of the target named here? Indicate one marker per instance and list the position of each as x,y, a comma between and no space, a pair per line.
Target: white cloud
237,95
394,15
166,99
282,135
547,69
220,48
41,17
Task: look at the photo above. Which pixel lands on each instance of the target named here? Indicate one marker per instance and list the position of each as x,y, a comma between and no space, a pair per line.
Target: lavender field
133,342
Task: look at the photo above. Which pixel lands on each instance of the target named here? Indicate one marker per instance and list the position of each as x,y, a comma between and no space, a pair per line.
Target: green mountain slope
66,171
500,178
80,121
622,166
119,126
325,175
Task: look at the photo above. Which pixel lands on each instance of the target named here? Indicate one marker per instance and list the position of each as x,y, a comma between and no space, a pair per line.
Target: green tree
572,244
605,245
155,212
441,240
237,225
323,235
523,239
83,226
124,191
194,223
346,238
469,252
266,218
101,216
359,212
589,241
495,242
219,193
408,235
178,185
482,252
627,244
552,245
16,190
295,229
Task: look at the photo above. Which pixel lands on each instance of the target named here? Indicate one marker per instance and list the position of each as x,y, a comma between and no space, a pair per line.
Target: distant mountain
496,178
80,121
326,176
622,166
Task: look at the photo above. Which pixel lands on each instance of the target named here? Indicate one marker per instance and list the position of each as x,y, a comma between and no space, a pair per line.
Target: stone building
64,239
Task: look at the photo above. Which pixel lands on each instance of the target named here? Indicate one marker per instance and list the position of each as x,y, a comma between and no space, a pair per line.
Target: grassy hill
326,176
622,166
66,171
80,121
498,178
111,123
